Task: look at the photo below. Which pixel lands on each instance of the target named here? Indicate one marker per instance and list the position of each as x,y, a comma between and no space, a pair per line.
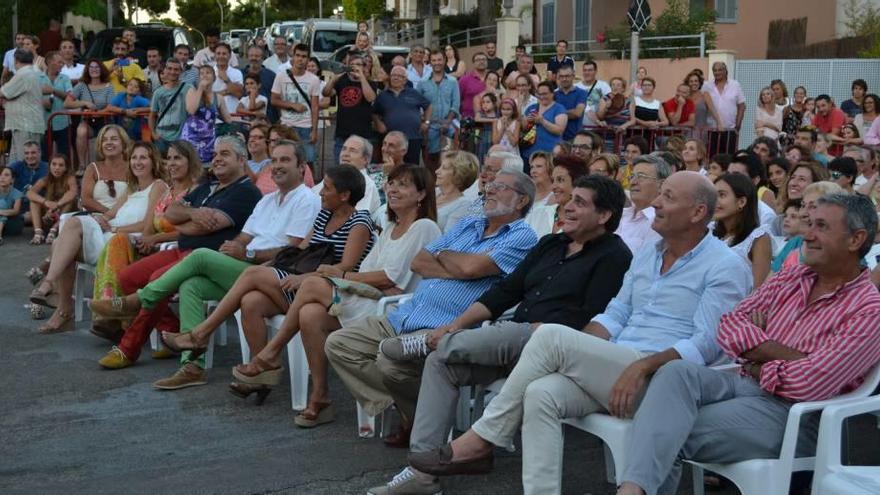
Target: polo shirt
438,301
826,123
469,85
555,64
570,101
552,287
236,201
276,219
402,111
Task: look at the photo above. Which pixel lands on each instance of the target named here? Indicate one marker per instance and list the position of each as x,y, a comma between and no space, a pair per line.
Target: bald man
402,108
671,301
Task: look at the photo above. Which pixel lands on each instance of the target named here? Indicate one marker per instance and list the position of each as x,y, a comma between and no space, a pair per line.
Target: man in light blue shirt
443,92
417,70
669,306
456,269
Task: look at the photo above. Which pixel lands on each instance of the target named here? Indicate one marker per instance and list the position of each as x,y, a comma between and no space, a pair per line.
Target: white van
325,36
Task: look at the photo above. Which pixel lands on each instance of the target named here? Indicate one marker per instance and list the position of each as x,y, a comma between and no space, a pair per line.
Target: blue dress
199,130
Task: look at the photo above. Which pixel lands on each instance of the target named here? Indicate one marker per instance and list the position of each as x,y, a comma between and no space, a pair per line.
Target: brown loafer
439,462
116,307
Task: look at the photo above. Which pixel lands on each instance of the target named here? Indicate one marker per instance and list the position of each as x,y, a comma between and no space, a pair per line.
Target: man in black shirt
559,61
512,65
568,277
356,95
494,64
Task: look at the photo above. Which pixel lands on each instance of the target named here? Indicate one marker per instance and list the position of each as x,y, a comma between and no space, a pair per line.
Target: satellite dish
639,15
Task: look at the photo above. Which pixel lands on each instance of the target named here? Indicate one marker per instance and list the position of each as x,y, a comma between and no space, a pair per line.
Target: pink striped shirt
839,333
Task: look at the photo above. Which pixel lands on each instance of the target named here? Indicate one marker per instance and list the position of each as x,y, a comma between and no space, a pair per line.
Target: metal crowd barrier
716,141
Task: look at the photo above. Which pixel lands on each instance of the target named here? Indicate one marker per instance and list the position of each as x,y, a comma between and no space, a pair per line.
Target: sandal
65,325
244,390
53,233
35,274
38,237
179,342
37,312
116,307
48,298
258,372
316,414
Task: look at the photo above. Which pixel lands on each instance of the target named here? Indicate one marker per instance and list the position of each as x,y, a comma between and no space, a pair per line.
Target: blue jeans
305,134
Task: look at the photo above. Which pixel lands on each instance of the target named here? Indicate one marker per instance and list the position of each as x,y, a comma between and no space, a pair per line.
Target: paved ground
67,426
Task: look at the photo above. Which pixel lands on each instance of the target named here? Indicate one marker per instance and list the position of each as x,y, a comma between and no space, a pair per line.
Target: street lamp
221,14
338,12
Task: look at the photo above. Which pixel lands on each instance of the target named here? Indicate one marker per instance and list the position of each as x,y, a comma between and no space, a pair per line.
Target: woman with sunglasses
92,93
83,237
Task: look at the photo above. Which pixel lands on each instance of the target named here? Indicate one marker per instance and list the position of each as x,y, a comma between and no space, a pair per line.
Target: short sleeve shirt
670,106
570,101
355,112
403,111
284,87
25,176
827,123
24,105
726,101
129,72
235,77
61,83
236,201
7,201
169,127
555,64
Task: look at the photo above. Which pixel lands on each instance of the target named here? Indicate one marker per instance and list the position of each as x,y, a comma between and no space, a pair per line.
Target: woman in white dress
737,223
83,237
457,171
540,170
768,116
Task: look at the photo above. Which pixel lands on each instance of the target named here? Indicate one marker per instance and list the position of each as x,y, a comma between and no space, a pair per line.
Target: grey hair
510,162
860,215
661,167
235,142
704,193
401,137
368,146
524,185
298,151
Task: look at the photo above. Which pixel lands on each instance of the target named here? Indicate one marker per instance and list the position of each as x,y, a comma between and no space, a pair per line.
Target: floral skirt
117,254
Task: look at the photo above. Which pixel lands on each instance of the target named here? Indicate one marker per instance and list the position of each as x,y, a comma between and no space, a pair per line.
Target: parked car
239,38
324,36
291,30
336,62
163,37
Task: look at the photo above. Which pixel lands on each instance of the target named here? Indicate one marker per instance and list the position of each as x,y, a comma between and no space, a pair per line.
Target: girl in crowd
541,170
561,148
802,174
850,134
92,93
796,154
457,171
737,224
11,219
791,221
87,234
260,164
614,108
792,253
264,291
693,155
128,105
645,110
748,164
768,117
252,104
780,94
524,92
454,66
823,145
50,197
718,166
486,116
605,164
493,86
547,117
566,170
636,90
809,111
204,108
633,147
766,148
703,106
870,107
793,114
506,129
777,174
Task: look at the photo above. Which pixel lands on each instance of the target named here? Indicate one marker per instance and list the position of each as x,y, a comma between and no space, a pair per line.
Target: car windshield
329,41
292,31
102,48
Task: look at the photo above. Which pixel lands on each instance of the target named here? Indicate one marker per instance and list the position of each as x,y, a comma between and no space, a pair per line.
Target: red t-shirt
670,106
836,118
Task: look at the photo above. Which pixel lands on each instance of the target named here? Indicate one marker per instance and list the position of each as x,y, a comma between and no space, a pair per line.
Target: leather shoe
398,439
439,462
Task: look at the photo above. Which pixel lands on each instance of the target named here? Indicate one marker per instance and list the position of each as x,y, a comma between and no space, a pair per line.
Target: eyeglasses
640,176
500,186
836,175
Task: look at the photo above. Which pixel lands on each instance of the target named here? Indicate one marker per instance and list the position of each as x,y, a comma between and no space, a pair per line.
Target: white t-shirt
246,101
272,63
206,57
286,89
602,88
234,76
9,60
272,224
74,72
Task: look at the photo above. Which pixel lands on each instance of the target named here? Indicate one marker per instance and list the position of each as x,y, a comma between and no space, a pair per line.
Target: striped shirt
438,301
839,332
340,236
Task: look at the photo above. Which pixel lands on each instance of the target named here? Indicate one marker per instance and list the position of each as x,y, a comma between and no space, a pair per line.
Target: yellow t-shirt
132,70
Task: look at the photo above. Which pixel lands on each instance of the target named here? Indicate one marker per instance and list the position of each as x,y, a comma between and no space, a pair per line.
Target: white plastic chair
83,286
831,477
297,364
761,476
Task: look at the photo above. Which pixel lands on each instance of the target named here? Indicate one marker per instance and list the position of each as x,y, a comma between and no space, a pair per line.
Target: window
726,10
582,20
548,22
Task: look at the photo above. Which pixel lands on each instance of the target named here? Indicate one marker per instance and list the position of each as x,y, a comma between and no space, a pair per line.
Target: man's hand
298,107
233,249
626,390
434,337
205,218
313,136
145,244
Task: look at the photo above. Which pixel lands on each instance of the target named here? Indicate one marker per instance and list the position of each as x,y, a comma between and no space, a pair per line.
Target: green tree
203,14
357,10
153,7
676,20
33,17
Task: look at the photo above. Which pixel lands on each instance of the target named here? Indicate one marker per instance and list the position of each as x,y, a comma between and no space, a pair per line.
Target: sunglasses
111,188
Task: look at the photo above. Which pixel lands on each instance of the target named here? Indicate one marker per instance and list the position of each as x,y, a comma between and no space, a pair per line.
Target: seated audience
843,172
738,225
457,172
456,269
548,219
791,253
50,197
541,170
632,148
394,151
791,350
647,177
29,170
605,164
667,309
567,278
747,163
718,166
693,154
83,237
259,164
777,174
357,152
765,148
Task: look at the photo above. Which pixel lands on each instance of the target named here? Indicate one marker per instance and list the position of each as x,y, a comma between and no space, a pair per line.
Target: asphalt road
68,426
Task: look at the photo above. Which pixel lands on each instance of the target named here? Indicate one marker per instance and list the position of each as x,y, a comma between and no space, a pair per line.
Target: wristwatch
250,254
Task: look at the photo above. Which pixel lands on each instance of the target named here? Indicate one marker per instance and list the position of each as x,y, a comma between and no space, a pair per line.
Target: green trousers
204,275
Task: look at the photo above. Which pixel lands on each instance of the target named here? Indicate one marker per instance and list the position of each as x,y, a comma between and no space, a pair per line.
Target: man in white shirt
730,104
648,174
280,58
230,82
9,59
418,71
154,69
595,88
357,151
206,55
297,100
71,68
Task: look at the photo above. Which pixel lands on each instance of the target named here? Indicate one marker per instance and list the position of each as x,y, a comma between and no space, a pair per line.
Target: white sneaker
407,347
409,482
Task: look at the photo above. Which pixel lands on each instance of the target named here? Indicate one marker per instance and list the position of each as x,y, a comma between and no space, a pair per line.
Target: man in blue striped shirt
456,269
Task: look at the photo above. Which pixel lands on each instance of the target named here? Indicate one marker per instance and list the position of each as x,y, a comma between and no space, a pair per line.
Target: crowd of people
573,247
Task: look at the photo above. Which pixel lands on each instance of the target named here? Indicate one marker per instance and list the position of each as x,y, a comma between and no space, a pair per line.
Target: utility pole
221,15
264,12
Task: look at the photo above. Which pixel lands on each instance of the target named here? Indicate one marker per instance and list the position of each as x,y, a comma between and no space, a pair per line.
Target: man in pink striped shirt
809,333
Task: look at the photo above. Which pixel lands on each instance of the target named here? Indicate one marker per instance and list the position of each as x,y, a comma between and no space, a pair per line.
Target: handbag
529,135
93,121
297,261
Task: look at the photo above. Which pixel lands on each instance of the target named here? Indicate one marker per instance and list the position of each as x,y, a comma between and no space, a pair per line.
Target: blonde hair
123,136
465,167
823,188
611,160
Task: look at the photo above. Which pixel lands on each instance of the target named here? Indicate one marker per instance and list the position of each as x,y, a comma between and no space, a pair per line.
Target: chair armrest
385,302
165,246
829,442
